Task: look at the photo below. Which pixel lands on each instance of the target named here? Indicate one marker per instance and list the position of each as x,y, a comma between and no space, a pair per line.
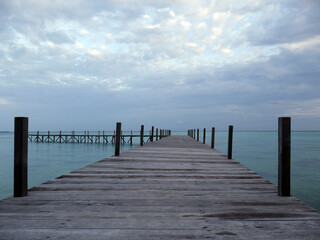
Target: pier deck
175,188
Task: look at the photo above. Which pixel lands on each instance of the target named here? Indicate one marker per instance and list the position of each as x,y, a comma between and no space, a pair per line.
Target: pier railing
95,137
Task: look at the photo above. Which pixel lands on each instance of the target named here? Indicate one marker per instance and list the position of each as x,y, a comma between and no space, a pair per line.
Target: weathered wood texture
20,181
175,188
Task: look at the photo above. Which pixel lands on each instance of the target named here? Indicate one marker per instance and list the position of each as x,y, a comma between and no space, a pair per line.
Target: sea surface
256,150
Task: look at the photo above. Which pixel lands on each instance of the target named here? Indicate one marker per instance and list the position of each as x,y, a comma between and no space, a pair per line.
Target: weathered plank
175,188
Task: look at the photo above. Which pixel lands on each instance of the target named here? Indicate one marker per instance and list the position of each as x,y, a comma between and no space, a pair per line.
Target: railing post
156,134
230,142
194,133
204,136
212,137
198,134
141,135
151,137
118,138
20,157
284,149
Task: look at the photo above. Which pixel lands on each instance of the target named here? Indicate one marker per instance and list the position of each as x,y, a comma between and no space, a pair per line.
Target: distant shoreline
5,132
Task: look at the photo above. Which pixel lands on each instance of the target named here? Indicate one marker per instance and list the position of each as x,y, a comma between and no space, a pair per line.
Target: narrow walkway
176,188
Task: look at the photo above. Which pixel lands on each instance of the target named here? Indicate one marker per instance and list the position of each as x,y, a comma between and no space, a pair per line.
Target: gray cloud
286,22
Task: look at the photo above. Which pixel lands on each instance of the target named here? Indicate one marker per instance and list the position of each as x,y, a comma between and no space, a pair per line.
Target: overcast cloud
176,64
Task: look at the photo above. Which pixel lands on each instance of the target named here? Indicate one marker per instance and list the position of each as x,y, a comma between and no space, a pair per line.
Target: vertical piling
118,138
198,134
20,188
141,135
212,137
284,149
156,134
152,131
230,142
204,136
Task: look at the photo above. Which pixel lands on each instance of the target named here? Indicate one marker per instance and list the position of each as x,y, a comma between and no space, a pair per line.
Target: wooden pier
175,188
87,137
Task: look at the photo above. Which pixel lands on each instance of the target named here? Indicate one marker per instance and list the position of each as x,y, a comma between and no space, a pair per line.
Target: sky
175,64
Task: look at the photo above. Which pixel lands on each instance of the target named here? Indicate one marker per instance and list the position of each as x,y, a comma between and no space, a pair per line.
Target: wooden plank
175,188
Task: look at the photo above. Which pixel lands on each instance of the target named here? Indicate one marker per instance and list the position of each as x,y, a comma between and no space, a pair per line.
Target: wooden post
204,136
230,142
284,149
141,135
118,138
156,134
198,134
151,137
212,137
194,133
20,157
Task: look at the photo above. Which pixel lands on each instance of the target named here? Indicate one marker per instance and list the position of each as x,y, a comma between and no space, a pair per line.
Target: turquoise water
256,150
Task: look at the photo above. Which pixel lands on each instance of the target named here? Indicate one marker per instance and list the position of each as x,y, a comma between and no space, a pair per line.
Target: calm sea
256,150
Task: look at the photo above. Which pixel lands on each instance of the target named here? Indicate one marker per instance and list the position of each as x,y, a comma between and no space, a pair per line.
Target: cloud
307,108
4,101
307,44
177,56
280,22
93,52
